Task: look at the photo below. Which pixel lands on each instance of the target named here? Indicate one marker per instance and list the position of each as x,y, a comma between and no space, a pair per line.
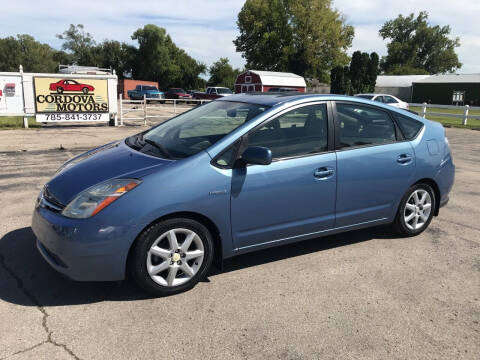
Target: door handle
404,159
323,173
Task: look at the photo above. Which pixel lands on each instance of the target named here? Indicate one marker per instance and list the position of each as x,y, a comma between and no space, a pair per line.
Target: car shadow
26,279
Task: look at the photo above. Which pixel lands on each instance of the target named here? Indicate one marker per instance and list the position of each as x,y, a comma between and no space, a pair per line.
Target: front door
295,194
375,165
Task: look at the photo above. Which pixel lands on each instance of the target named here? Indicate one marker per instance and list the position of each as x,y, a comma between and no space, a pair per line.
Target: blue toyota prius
241,173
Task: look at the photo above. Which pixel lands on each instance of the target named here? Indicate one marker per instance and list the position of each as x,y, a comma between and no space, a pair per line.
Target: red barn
254,80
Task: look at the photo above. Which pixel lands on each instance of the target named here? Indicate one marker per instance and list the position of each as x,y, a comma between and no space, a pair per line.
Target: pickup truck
213,93
150,91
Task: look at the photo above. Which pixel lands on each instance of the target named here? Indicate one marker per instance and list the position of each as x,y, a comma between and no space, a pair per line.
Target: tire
59,89
154,259
413,216
85,90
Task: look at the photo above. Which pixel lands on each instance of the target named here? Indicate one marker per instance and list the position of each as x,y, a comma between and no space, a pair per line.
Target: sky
206,28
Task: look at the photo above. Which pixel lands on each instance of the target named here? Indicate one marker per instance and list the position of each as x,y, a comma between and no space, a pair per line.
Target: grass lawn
16,122
453,121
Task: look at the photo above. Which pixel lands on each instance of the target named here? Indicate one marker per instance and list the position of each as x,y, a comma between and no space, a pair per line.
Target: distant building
255,80
397,85
129,84
448,89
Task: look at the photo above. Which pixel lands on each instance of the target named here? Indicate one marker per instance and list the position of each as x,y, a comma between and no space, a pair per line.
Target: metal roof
279,78
451,78
398,80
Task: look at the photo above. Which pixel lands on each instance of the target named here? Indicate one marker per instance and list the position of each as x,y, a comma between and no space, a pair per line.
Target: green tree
416,47
117,56
222,74
373,70
359,72
26,51
80,45
359,77
363,72
306,37
340,80
159,59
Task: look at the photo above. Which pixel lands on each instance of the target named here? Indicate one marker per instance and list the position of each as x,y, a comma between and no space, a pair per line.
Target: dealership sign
71,99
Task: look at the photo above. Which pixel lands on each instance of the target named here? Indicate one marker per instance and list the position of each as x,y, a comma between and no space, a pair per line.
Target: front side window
196,130
360,125
379,99
298,132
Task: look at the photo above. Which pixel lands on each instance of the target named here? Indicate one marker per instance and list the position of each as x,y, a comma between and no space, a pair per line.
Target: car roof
276,98
295,98
371,94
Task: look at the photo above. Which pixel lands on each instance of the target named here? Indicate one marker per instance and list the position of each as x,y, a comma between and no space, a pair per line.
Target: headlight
94,199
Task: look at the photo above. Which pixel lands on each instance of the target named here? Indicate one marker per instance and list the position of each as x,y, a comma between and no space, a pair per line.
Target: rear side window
390,100
361,125
410,127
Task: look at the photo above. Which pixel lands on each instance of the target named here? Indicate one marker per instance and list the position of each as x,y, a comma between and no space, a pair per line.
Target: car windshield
149,88
177,90
368,97
197,129
224,91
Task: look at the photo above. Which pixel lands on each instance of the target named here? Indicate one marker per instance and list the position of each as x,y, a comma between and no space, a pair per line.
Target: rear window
410,127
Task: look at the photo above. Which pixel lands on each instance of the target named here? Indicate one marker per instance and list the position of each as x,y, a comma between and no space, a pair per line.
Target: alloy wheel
175,257
417,209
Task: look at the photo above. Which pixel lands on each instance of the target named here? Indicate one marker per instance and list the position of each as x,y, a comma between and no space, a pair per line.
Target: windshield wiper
160,147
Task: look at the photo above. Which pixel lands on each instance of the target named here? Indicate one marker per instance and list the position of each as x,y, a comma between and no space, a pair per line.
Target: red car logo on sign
70,85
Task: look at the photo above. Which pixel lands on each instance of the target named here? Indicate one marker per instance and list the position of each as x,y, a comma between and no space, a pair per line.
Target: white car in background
386,99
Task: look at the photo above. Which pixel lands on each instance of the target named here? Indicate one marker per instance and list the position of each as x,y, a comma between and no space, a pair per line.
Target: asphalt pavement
360,295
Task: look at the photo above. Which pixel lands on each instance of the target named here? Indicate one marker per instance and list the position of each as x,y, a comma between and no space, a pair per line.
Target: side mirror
232,113
257,155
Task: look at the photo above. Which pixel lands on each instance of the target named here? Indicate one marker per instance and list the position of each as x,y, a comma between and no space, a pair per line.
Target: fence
153,108
465,116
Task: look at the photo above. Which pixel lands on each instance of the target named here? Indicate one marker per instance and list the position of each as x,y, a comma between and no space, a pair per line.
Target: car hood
114,160
153,92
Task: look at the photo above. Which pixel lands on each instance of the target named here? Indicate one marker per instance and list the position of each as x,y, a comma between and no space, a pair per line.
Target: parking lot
360,295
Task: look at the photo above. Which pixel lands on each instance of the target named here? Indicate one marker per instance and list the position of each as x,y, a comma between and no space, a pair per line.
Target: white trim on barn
273,78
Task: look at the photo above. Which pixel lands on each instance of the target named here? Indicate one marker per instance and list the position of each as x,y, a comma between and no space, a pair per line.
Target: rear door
375,164
295,194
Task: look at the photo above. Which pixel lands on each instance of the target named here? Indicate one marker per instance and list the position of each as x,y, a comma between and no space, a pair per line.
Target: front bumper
84,249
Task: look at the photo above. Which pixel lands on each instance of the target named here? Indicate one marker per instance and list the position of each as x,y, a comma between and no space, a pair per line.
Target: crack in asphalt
39,306
26,350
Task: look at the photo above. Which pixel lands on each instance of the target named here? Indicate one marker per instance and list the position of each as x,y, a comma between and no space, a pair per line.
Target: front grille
49,201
